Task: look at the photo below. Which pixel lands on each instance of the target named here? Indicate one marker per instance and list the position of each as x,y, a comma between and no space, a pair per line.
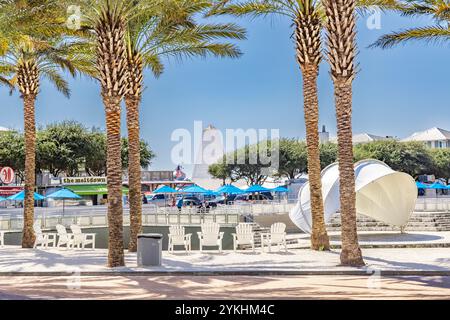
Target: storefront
8,182
93,190
7,191
98,194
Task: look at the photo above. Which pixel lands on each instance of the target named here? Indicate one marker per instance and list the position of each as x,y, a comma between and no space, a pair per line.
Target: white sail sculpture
381,193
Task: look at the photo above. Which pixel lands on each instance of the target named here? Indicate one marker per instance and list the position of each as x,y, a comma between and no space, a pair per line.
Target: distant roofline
421,135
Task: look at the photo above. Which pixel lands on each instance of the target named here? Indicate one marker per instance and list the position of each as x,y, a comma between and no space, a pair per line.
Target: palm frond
433,34
54,77
153,61
384,5
255,8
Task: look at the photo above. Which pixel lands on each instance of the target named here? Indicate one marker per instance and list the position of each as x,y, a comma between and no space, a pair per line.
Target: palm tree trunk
114,168
341,29
28,236
319,236
351,252
112,68
134,170
308,27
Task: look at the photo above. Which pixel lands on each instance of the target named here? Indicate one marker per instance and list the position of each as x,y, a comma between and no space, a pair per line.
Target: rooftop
362,138
432,134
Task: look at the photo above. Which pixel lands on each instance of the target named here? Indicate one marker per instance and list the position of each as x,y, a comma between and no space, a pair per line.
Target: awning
92,190
9,191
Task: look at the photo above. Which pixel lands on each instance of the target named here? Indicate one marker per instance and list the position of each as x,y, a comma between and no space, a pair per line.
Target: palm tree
109,24
35,47
307,21
29,60
169,31
437,10
341,38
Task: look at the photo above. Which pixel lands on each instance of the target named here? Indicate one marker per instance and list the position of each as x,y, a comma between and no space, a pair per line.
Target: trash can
149,249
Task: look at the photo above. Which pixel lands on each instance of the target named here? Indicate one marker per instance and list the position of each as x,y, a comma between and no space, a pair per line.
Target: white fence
162,216
150,217
438,204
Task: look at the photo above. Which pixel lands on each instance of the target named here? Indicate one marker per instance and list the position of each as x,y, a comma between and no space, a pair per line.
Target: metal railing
163,216
437,204
151,216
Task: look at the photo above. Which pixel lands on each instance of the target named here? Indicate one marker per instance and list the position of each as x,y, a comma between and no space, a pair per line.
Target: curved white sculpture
381,193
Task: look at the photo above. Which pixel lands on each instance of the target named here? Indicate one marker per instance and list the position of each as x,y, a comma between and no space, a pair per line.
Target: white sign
7,175
83,180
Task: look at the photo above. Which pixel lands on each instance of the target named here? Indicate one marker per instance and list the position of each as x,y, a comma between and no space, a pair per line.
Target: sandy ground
223,287
17,260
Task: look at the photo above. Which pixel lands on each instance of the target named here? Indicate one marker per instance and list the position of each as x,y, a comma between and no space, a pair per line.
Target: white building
324,135
363,138
210,151
435,138
3,129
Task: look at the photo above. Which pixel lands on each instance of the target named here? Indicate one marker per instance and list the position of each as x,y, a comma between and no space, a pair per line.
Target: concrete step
420,221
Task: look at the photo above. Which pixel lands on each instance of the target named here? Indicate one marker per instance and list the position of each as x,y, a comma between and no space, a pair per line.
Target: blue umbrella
256,188
2,199
421,185
229,189
438,185
279,189
21,196
165,189
194,189
211,193
64,194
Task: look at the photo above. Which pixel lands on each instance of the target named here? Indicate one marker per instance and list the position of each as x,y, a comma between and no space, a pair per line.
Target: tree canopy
410,157
292,160
413,158
65,148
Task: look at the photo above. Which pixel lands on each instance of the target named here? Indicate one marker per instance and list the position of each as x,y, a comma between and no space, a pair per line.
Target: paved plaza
225,287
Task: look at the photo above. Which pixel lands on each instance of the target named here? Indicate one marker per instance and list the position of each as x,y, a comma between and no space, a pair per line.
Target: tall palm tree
35,47
108,19
341,40
168,31
29,60
307,21
437,10
109,23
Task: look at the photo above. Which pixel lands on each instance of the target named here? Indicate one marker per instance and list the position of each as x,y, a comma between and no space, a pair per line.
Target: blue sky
397,91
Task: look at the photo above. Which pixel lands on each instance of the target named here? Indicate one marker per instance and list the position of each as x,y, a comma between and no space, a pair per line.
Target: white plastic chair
64,238
82,239
2,239
177,237
244,236
43,239
277,236
210,236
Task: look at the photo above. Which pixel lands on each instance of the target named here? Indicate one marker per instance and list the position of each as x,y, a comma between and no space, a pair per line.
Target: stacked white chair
2,239
210,236
64,238
43,239
177,237
277,236
81,239
244,236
